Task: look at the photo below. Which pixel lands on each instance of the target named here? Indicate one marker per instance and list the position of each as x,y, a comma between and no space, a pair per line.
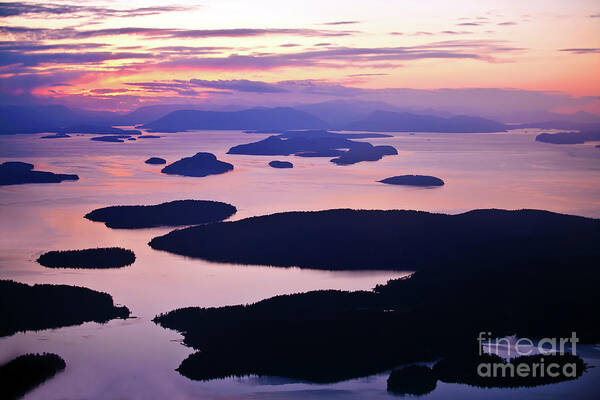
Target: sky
119,55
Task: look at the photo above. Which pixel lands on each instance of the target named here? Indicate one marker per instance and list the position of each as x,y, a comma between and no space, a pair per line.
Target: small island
56,136
149,137
155,161
111,138
16,173
200,165
413,180
25,308
420,380
568,137
415,380
98,258
281,164
174,213
26,372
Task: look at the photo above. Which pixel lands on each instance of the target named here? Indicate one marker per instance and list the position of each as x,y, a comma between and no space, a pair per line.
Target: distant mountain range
387,121
333,115
278,118
340,113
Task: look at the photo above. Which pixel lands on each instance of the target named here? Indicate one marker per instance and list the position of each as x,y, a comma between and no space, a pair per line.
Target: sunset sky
118,55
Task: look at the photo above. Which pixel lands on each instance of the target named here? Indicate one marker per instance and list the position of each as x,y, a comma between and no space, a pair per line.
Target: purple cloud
455,32
341,23
35,59
24,46
458,49
240,85
50,10
153,33
366,75
582,50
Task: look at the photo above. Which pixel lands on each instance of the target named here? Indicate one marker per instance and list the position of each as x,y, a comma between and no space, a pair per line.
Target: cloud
55,10
322,44
107,91
396,33
189,88
35,59
240,85
595,15
341,23
24,46
365,75
163,33
196,50
345,57
23,84
507,23
582,50
470,24
455,32
168,87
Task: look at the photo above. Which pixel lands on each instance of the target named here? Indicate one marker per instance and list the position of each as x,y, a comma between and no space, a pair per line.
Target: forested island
568,137
318,143
24,307
16,173
372,239
200,165
112,138
56,136
155,161
476,255
281,164
26,372
414,180
173,213
98,258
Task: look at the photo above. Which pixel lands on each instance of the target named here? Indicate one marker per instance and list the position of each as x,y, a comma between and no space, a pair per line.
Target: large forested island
372,239
24,307
98,258
16,172
173,213
474,273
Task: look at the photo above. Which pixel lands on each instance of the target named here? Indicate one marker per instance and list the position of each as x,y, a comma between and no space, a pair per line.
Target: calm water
135,359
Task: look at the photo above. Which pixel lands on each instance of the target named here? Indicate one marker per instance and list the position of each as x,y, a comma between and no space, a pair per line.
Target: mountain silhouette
388,121
278,118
